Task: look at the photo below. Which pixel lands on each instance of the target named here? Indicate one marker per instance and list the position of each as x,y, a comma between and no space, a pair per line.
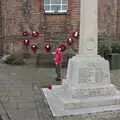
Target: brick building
55,20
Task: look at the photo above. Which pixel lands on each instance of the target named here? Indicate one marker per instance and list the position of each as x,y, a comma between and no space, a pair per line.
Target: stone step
85,111
61,106
91,102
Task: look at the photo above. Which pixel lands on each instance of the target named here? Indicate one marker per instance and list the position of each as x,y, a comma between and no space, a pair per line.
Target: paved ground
17,93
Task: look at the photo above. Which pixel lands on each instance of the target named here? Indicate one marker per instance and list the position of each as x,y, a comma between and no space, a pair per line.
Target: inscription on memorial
90,74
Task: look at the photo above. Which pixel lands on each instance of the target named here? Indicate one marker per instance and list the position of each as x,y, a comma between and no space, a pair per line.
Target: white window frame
53,11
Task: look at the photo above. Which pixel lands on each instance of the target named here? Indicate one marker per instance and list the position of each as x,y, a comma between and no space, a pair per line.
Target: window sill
55,13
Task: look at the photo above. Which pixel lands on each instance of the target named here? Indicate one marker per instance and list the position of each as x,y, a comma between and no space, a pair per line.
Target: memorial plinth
87,87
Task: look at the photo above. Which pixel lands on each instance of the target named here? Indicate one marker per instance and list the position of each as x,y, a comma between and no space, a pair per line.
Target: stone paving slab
16,91
42,106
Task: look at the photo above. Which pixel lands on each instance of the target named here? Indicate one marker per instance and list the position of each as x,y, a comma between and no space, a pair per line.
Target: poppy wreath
70,41
35,34
26,42
34,48
25,33
47,48
76,34
63,47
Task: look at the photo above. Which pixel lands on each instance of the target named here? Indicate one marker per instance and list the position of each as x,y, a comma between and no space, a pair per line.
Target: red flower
26,42
47,47
25,33
69,41
63,47
50,87
76,34
34,47
35,34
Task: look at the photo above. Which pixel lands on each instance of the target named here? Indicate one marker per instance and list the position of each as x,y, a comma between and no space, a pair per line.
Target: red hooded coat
58,56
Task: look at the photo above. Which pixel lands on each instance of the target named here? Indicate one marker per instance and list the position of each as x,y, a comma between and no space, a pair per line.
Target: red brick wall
55,27
118,20
75,14
58,27
107,17
1,34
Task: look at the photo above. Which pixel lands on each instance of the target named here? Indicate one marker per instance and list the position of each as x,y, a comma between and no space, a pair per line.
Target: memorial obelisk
87,88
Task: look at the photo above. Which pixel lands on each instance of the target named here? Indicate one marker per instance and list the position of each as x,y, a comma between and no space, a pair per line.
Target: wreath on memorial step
47,47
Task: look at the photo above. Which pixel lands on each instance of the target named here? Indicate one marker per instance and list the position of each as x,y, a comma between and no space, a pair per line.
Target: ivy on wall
21,27
26,10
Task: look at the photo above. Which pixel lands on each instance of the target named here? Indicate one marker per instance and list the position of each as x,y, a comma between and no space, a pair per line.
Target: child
58,63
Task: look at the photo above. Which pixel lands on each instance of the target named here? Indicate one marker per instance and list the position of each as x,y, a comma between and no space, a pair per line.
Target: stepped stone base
87,89
105,115
64,107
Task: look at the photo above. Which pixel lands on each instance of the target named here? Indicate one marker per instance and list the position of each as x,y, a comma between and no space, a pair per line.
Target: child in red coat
58,63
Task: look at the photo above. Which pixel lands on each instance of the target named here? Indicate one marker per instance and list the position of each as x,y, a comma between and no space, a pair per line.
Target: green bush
115,47
104,51
10,59
18,61
14,60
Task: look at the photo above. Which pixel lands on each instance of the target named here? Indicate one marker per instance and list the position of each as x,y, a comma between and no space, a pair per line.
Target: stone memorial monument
87,87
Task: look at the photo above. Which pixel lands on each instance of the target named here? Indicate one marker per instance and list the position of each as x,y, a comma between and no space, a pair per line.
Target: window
53,6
